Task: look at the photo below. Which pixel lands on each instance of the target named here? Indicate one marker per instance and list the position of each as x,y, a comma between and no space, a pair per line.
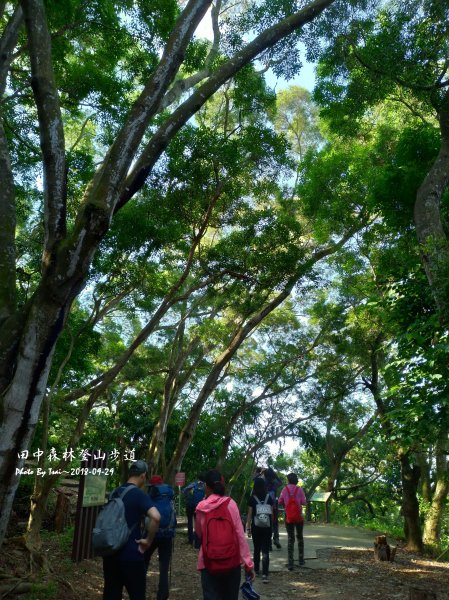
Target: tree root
18,586
36,559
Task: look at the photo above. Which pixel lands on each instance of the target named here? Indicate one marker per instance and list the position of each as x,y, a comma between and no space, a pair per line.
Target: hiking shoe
265,579
277,544
302,562
290,568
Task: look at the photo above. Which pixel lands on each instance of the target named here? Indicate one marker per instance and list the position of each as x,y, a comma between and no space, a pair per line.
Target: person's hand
248,532
143,544
251,574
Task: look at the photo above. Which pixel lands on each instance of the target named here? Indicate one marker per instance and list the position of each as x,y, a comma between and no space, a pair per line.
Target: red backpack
221,551
293,510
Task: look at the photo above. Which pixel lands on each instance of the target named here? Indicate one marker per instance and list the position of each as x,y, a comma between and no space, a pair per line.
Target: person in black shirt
260,503
126,568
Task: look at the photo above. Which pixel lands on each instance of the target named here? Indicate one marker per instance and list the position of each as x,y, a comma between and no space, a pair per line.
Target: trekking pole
171,562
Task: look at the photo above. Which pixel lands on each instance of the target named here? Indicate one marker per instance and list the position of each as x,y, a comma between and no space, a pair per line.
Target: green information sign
94,490
320,496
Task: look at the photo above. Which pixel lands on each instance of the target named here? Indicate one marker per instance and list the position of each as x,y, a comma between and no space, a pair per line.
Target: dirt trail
348,572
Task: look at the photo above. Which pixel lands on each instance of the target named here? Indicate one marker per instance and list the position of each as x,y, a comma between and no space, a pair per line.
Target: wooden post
62,511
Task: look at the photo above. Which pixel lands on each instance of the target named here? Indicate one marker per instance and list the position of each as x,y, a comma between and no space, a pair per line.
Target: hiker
293,498
258,473
259,525
162,496
223,544
126,568
273,483
194,493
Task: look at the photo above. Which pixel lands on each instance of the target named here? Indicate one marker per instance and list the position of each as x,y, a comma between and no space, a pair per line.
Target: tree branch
107,181
8,42
187,109
50,125
7,232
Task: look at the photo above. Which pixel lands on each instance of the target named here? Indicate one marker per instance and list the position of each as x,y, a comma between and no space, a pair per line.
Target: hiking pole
171,562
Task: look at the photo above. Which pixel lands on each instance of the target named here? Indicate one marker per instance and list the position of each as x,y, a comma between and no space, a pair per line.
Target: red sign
180,479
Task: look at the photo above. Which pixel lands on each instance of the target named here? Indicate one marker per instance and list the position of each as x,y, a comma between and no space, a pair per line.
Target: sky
306,77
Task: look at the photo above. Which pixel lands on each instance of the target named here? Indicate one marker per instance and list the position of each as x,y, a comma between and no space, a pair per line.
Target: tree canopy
197,265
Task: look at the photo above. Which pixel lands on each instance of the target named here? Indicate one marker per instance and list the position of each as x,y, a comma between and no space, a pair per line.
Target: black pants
275,522
225,586
164,547
123,573
291,529
261,541
190,512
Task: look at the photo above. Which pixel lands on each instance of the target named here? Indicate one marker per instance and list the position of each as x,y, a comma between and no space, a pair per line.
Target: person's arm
249,519
187,488
245,555
153,526
281,500
302,497
199,515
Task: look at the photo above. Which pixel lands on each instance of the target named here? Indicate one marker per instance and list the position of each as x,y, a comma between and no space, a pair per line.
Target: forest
202,267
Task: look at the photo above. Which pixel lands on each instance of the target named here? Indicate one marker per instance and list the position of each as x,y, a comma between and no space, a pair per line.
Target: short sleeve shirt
137,504
252,502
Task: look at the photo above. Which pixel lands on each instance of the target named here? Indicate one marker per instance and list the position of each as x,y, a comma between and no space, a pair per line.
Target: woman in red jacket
223,544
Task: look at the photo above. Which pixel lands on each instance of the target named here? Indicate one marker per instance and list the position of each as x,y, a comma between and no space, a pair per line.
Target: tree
401,55
73,232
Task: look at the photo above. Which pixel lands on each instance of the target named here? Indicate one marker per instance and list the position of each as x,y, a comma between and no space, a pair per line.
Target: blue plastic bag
248,592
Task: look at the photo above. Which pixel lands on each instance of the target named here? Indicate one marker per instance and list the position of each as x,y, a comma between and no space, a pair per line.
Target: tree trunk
227,439
22,399
434,245
240,335
432,524
410,506
38,503
333,475
425,480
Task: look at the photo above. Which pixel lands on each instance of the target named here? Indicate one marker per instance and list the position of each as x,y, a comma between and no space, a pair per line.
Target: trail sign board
180,479
320,496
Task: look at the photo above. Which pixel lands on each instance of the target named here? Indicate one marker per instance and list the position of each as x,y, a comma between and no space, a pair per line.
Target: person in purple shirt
291,490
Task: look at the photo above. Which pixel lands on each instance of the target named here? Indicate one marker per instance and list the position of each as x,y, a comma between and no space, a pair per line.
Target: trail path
339,564
318,540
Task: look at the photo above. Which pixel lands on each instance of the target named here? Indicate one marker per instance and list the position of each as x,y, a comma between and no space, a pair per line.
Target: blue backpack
162,497
197,494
